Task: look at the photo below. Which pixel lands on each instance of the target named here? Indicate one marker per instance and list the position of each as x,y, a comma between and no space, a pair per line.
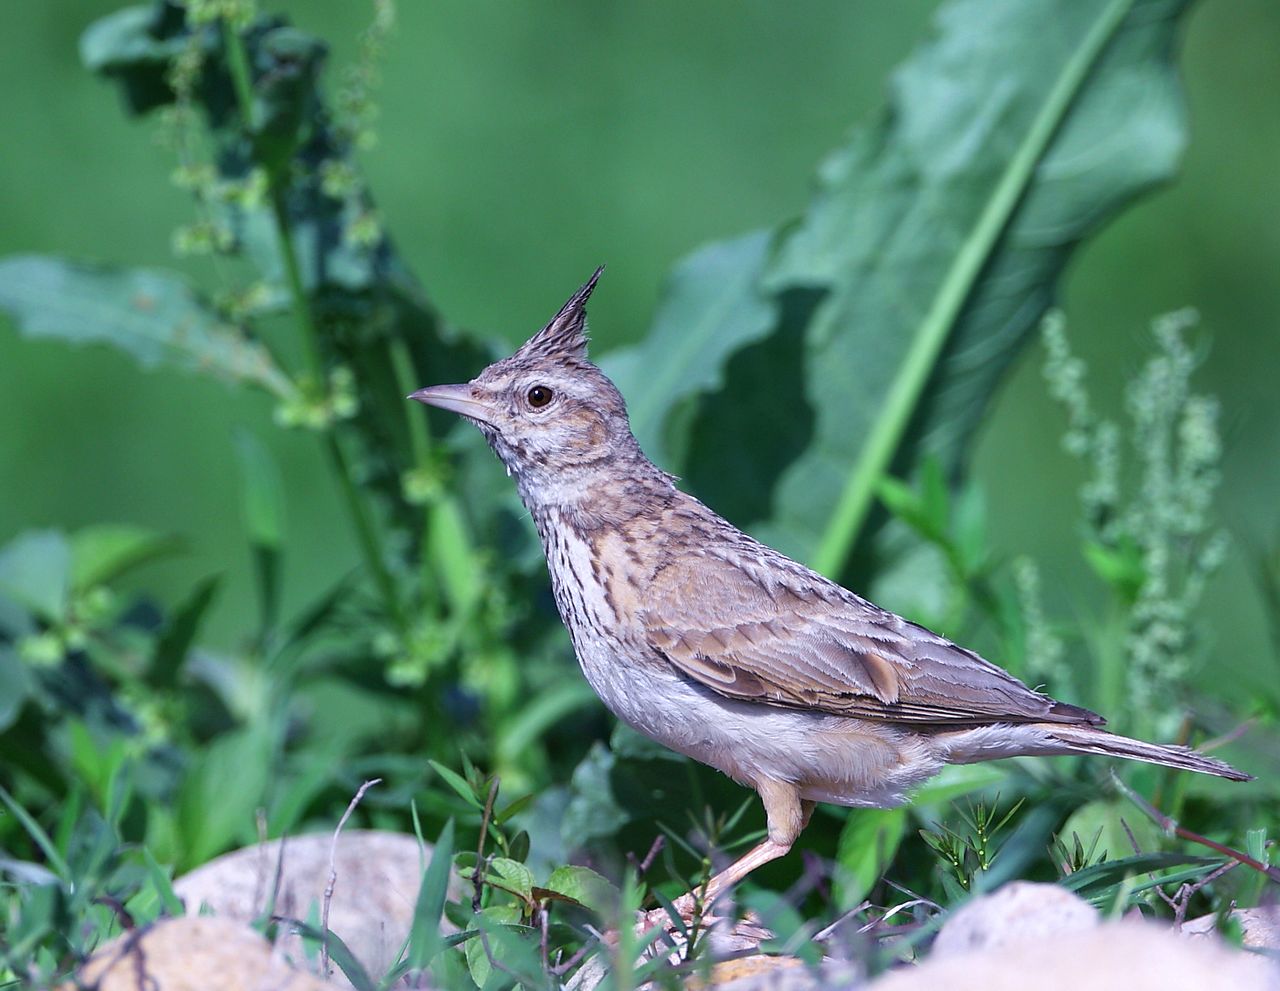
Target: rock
738,938
1115,956
379,874
751,973
192,953
1016,912
1261,926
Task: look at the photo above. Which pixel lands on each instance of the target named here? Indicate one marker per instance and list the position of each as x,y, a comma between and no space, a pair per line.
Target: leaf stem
241,77
419,428
419,444
293,276
357,506
366,530
1170,827
856,498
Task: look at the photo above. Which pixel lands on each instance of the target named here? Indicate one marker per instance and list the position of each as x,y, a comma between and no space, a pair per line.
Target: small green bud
420,486
364,230
338,179
42,650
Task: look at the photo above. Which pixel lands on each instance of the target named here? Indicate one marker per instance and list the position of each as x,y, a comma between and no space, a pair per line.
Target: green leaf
16,686
970,206
175,643
955,781
935,498
424,933
1255,845
227,782
154,316
1121,825
262,498
488,920
452,556
135,46
867,846
970,530
163,885
586,887
792,932
541,713
38,835
106,551
906,504
514,808
711,307
339,952
458,783
35,571
512,876
593,811
518,846
931,250
1102,878
262,491
1120,567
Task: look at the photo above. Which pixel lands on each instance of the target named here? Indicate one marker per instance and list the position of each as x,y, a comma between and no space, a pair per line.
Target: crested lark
725,650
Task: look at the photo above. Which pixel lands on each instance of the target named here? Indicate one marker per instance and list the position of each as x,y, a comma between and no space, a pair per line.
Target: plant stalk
855,500
357,506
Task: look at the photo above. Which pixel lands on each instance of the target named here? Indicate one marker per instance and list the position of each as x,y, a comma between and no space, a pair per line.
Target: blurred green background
520,145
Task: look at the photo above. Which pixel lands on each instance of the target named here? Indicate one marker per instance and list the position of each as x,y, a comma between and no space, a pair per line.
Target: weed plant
130,753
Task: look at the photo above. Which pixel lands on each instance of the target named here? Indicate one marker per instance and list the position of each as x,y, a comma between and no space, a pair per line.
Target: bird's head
552,416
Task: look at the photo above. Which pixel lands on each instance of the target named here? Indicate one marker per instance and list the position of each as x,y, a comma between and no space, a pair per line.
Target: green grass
131,751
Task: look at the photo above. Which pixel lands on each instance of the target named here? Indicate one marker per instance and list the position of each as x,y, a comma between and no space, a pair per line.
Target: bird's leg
787,815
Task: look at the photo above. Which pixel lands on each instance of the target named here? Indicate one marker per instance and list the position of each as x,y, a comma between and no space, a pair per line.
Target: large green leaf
154,316
103,552
868,843
1008,143
712,306
929,252
35,571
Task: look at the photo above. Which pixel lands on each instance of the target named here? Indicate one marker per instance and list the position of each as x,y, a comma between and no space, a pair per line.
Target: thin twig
894,911
477,879
655,848
903,889
1171,827
826,932
122,914
1133,840
333,875
1209,746
260,870
274,903
1180,900
560,969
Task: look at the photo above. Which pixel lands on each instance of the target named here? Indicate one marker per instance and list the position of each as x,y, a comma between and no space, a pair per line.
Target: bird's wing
774,632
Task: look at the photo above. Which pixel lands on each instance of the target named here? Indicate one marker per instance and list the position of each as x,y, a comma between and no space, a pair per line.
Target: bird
723,649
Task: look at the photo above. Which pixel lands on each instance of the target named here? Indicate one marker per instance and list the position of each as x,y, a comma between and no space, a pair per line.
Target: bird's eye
539,396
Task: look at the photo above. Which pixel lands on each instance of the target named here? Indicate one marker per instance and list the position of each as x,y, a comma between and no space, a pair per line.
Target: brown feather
824,648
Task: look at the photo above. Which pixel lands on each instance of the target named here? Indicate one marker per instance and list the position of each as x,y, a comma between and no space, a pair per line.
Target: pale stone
1018,911
378,876
192,953
1115,956
1260,926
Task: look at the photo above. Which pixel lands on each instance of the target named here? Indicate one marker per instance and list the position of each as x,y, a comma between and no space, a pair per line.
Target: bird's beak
455,398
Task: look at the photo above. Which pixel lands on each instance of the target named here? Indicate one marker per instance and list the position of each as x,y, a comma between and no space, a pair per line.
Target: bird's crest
565,337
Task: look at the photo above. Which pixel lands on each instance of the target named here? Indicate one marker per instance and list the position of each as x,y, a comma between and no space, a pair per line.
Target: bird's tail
1089,740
